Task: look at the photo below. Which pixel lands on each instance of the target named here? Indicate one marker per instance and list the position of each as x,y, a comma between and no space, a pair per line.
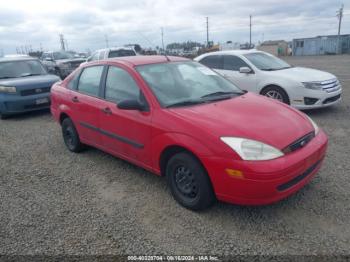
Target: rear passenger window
120,85
73,83
233,63
89,81
213,61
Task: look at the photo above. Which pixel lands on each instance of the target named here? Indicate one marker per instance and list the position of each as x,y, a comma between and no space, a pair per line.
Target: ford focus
179,119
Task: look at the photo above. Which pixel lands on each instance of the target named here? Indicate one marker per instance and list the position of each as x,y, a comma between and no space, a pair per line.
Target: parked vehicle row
182,120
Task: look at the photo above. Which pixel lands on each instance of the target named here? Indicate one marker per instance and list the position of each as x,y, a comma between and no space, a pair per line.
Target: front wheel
189,182
276,93
70,136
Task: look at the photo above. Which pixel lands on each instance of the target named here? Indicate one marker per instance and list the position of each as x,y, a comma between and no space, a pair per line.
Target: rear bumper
14,104
265,182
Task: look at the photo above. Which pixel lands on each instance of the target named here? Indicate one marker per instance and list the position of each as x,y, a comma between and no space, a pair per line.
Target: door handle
75,99
107,111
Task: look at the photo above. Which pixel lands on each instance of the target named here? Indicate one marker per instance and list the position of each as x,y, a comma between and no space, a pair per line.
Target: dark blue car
24,85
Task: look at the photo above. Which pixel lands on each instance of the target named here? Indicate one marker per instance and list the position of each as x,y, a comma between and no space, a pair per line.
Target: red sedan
181,120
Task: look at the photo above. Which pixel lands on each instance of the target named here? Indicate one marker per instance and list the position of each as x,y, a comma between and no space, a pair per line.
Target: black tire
189,182
278,91
71,136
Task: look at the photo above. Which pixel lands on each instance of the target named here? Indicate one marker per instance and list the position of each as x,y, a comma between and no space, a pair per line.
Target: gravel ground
56,202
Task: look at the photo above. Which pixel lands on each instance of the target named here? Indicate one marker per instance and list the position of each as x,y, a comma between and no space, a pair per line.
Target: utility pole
162,32
207,31
250,31
340,17
106,39
63,47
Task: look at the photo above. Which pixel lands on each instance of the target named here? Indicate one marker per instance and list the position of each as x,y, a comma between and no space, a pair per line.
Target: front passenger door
126,133
245,81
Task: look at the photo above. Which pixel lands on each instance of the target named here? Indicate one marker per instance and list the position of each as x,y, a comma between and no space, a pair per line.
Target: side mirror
245,70
132,104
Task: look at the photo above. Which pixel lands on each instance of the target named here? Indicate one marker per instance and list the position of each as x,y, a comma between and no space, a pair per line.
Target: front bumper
14,104
265,182
324,99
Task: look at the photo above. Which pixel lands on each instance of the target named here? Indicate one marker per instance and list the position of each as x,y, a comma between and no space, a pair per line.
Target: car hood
249,116
29,82
302,74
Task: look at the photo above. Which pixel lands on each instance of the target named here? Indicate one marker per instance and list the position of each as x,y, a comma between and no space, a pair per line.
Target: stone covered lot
55,202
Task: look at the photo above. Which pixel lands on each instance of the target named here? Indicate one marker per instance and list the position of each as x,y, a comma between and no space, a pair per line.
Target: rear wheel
70,136
276,93
189,182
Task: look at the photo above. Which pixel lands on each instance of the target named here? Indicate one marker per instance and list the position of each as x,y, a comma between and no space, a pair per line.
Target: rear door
85,101
231,66
126,133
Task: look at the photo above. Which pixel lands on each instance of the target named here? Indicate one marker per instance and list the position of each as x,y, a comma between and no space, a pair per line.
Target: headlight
252,150
315,126
8,89
313,85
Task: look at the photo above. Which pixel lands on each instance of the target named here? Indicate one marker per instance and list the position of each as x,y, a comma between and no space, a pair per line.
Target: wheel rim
274,95
185,182
68,137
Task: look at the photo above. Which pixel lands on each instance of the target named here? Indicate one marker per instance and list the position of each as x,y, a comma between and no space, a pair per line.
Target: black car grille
299,178
37,106
301,142
35,91
331,99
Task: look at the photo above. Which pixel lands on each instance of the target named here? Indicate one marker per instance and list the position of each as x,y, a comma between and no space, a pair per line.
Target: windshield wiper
221,93
29,74
186,103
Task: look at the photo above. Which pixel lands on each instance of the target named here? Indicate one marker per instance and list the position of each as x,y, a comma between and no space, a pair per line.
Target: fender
163,141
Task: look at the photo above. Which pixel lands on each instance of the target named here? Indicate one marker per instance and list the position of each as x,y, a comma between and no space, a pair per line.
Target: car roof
142,60
234,52
17,58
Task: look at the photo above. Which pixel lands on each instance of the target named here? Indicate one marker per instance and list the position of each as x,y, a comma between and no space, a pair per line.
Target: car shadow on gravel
27,115
160,190
327,111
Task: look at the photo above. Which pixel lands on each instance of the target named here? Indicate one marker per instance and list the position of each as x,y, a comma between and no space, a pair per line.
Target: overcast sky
85,23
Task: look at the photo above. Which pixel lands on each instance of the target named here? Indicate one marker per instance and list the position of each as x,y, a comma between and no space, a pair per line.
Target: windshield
266,62
186,83
14,69
62,55
121,52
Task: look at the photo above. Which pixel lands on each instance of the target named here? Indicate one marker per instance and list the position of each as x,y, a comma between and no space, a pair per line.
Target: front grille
299,178
301,142
37,106
35,91
331,99
330,85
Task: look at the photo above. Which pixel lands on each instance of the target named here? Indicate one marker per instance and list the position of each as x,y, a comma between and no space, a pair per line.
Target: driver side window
233,63
120,85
